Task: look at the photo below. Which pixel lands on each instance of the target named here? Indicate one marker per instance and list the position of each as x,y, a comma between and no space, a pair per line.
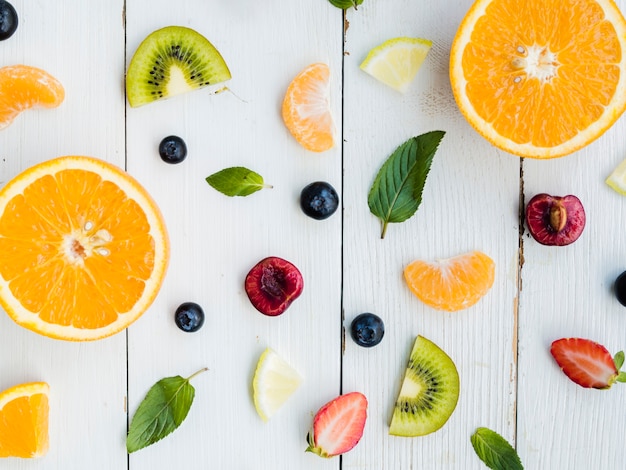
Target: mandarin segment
451,284
88,260
541,81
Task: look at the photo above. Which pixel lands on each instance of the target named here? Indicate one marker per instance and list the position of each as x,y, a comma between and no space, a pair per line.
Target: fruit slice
24,420
451,284
274,382
23,87
306,109
587,363
171,61
617,179
338,425
396,61
83,249
273,284
555,220
429,393
544,80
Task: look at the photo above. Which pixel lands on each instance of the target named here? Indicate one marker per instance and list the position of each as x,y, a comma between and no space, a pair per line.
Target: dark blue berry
189,317
172,149
620,288
367,330
319,200
8,20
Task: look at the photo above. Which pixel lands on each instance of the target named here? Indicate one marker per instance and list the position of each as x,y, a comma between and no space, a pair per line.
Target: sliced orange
306,109
24,87
451,284
543,79
83,249
24,420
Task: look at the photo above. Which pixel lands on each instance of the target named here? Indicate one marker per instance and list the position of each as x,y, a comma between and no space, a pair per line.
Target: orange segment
24,420
83,249
451,284
544,80
23,87
306,111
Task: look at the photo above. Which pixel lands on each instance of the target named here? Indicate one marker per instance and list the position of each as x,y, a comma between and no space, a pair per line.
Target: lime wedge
617,179
274,382
396,61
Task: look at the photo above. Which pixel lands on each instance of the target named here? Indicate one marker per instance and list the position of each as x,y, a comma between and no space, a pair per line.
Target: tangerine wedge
23,87
306,110
83,249
451,284
24,420
542,80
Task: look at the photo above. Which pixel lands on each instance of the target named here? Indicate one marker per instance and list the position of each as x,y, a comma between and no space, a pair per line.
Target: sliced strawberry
338,425
586,362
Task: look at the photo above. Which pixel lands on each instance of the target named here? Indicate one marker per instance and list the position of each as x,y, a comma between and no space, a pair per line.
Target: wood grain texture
509,381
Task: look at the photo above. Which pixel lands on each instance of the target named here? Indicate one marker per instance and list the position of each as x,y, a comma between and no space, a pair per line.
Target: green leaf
236,181
397,190
163,409
619,360
495,451
345,4
621,377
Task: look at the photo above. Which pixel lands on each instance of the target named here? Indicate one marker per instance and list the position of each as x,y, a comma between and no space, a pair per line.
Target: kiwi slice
429,393
171,61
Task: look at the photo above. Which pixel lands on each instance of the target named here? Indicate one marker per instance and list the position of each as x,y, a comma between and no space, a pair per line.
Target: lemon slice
617,179
396,61
274,382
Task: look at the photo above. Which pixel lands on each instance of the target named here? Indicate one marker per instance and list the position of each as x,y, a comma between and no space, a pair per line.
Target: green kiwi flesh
429,392
171,61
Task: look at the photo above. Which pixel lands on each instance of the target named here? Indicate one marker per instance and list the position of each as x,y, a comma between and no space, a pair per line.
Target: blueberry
172,149
620,288
367,330
8,20
319,200
189,317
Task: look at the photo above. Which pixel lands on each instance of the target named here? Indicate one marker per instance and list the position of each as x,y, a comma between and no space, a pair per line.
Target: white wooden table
472,200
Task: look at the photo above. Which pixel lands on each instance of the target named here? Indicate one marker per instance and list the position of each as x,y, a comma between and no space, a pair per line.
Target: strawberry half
338,425
588,363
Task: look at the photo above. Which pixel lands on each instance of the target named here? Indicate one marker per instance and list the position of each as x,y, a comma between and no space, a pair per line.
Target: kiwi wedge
171,61
429,393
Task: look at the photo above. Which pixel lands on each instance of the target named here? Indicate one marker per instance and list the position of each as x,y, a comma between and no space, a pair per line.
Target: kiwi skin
429,393
171,61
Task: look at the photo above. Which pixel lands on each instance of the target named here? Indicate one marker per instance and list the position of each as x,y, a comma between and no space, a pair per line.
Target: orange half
24,420
451,284
542,79
23,87
306,110
83,249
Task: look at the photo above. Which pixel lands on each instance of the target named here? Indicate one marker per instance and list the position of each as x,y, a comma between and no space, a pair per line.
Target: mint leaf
619,360
236,181
163,409
397,190
345,4
495,451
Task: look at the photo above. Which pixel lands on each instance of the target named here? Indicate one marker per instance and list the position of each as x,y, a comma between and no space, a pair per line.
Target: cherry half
273,284
555,220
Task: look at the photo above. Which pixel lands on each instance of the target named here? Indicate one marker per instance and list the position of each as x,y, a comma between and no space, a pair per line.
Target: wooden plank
81,44
215,239
469,203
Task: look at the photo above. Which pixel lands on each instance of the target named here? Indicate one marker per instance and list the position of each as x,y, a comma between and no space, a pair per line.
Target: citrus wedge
274,382
544,80
306,110
24,87
451,284
396,61
617,179
83,249
24,420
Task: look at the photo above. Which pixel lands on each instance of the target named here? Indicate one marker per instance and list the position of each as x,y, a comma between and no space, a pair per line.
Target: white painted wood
82,45
509,381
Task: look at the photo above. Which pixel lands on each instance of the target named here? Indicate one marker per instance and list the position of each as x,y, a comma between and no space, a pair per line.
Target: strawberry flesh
338,425
585,362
